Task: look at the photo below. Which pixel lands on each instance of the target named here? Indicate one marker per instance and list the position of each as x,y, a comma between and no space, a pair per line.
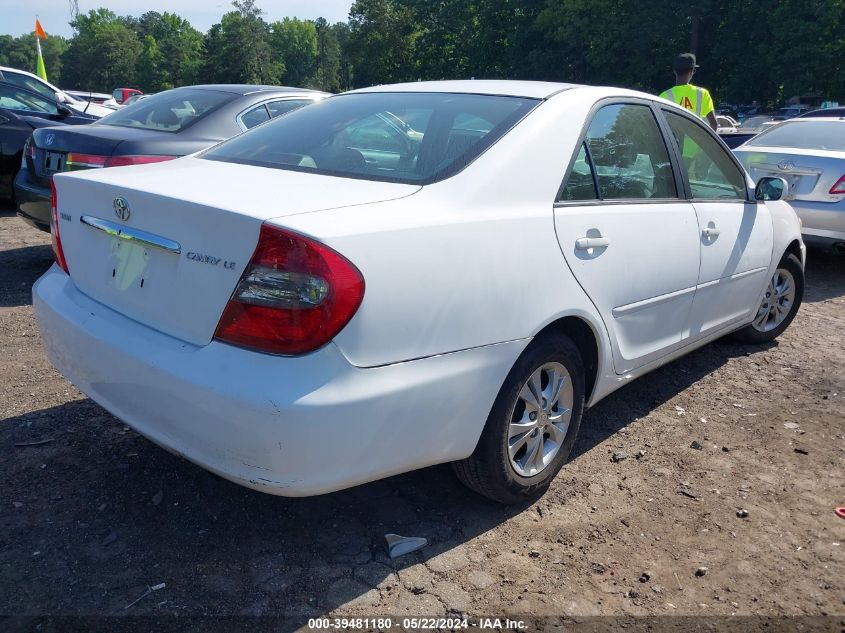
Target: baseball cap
685,61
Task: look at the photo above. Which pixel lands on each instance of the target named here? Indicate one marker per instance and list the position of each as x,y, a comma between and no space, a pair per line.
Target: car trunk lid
50,147
166,244
809,175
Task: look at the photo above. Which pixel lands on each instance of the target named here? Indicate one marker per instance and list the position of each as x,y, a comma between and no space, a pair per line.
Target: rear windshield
170,111
825,135
415,138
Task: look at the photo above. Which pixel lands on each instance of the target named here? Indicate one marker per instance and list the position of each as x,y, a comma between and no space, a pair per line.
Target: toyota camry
408,275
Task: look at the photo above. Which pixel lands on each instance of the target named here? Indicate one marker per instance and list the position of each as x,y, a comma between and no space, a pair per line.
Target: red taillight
838,187
30,149
76,160
120,161
294,296
55,237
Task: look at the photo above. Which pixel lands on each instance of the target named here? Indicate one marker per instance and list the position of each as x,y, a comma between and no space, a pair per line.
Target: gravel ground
92,517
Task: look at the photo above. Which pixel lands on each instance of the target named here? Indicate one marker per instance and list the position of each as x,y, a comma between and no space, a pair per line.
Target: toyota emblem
48,140
786,165
121,208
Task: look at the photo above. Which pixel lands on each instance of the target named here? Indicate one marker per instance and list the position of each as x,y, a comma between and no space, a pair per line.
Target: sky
17,18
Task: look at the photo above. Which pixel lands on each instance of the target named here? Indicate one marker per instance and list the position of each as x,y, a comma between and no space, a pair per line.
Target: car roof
836,111
815,119
28,74
245,89
501,87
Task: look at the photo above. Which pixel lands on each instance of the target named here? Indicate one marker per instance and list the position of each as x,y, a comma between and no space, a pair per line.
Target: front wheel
532,426
779,305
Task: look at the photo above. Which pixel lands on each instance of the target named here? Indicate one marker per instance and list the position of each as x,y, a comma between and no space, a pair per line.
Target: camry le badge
121,208
48,140
786,165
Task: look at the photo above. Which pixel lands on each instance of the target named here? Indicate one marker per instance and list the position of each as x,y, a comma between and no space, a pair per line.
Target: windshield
415,138
170,111
755,122
804,134
30,83
15,98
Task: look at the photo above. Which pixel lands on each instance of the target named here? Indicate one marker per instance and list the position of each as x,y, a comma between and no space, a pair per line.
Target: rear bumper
287,426
822,223
33,201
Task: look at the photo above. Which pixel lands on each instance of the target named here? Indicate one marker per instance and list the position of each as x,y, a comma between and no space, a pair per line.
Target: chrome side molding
136,235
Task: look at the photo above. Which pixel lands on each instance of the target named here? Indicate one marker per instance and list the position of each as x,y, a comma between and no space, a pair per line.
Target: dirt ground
93,517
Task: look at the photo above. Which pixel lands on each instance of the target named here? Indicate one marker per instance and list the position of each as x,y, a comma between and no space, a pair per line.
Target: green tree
102,54
179,45
382,40
294,43
20,52
150,73
345,73
237,50
328,58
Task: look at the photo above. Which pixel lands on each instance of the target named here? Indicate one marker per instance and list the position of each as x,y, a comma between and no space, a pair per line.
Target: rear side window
278,108
411,137
626,153
253,117
169,111
711,172
581,184
823,135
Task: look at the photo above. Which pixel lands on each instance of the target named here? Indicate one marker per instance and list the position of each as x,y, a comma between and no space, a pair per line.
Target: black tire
750,334
488,471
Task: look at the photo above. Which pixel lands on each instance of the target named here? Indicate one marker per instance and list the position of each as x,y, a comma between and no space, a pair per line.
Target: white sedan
408,275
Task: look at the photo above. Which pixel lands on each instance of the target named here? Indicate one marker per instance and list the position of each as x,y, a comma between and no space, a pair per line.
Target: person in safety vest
693,98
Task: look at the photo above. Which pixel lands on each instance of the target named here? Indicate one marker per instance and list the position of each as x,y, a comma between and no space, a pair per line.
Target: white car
36,84
328,299
726,124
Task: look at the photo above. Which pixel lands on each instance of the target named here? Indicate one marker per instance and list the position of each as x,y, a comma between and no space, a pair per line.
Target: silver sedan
810,155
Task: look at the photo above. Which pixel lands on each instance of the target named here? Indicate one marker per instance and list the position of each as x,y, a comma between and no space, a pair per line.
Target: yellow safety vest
693,98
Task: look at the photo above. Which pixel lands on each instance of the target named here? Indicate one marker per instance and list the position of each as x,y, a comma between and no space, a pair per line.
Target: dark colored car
32,104
15,129
161,127
21,112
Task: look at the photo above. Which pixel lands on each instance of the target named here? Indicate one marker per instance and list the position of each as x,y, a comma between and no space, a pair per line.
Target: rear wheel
532,426
779,305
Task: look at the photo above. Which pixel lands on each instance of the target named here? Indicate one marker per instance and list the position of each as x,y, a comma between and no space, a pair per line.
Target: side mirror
63,111
770,188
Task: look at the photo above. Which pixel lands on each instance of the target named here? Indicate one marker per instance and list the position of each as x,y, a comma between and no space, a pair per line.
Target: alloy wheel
540,419
777,301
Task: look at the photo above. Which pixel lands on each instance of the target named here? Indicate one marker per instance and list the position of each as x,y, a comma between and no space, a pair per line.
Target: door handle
710,231
586,243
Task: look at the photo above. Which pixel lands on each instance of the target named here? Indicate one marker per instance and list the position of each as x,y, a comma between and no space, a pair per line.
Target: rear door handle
710,231
586,243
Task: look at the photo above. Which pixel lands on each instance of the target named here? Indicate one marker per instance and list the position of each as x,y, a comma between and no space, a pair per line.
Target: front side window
627,154
711,172
412,137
